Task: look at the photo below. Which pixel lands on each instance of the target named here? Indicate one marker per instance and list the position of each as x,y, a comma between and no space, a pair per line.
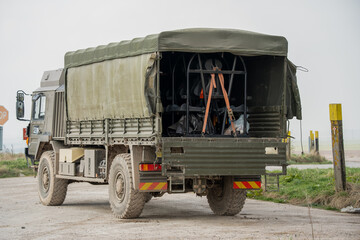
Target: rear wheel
125,201
148,197
52,191
224,200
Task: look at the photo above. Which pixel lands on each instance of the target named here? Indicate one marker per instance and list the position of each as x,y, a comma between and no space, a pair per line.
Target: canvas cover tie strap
226,98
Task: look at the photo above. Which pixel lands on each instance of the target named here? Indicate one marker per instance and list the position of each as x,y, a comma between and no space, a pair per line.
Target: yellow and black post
317,148
288,145
311,142
338,146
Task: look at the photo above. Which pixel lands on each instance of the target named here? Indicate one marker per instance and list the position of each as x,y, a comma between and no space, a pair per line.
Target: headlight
36,130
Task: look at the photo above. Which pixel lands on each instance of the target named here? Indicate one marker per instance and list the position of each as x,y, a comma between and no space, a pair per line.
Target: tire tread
58,191
136,201
232,203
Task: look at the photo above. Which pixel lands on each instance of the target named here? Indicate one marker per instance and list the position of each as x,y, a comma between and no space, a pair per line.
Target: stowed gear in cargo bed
193,85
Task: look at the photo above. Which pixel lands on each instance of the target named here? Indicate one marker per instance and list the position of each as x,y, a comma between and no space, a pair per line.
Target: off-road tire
52,191
148,197
225,200
125,201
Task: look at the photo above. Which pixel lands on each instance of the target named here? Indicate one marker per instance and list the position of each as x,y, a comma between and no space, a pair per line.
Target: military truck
192,110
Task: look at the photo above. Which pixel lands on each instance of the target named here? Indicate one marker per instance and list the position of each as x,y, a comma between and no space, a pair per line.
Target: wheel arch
41,148
140,153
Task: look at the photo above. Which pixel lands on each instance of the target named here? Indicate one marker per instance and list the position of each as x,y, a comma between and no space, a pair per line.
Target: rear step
177,183
272,182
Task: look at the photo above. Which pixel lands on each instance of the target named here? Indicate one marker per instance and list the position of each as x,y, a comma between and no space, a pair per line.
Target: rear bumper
193,157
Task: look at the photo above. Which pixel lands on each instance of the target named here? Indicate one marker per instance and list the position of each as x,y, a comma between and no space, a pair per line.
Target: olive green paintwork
221,156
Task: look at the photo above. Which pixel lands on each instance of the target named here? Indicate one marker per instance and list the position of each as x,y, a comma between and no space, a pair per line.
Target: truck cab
44,119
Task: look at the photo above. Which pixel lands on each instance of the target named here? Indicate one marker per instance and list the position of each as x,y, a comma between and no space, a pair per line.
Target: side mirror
20,109
20,106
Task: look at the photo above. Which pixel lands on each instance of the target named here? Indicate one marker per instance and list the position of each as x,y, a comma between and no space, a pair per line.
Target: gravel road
86,215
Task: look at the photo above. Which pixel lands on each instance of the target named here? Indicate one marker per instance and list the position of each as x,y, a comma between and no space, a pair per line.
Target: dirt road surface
86,215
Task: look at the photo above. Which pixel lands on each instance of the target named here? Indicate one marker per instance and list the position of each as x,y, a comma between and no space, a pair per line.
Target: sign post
1,138
338,146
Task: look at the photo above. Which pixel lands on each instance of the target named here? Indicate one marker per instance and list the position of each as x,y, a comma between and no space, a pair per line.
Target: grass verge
315,187
311,158
14,165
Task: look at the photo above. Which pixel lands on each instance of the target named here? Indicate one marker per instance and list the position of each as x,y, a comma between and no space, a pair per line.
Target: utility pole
338,147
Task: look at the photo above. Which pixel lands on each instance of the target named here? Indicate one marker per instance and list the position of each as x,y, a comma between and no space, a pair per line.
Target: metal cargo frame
201,71
111,131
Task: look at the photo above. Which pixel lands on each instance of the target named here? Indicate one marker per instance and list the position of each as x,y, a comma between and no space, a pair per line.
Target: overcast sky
323,36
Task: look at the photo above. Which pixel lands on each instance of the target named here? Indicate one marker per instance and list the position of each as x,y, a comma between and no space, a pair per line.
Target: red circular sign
4,115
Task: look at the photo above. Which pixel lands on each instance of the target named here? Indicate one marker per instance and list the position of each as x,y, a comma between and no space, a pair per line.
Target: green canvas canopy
204,40
98,82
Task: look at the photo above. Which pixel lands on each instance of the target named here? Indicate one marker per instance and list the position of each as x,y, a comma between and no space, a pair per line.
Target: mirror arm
21,91
22,119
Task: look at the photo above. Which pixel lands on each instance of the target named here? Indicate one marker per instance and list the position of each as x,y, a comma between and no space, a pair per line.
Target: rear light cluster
149,167
25,136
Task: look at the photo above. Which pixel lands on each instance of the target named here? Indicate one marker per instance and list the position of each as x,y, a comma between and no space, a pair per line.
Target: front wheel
224,200
52,191
125,201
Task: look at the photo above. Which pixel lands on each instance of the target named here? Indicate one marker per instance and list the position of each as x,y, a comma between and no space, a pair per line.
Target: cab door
40,125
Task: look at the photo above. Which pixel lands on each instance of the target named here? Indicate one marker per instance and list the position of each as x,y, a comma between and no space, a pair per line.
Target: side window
39,107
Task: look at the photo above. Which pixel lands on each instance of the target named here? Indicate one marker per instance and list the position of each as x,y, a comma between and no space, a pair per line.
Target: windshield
39,108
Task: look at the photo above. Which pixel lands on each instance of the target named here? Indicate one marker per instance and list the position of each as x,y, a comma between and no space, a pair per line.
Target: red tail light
25,136
149,167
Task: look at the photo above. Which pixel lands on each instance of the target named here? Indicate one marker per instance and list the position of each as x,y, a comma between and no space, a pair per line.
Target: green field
314,187
308,159
14,165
